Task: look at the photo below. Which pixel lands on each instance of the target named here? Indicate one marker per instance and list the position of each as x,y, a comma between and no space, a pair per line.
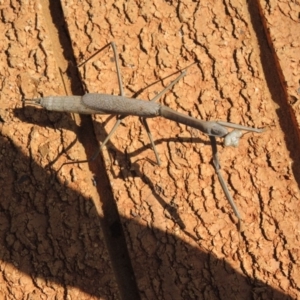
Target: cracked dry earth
123,227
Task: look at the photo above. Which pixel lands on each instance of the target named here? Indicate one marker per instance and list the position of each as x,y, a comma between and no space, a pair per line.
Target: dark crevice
275,81
111,224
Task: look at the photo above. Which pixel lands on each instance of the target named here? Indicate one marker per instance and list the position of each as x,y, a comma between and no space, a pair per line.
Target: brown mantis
122,106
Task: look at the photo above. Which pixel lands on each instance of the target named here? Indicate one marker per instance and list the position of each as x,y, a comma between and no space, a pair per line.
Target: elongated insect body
119,105
124,106
72,104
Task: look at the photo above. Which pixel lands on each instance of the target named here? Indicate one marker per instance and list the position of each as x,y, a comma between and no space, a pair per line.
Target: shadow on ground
51,232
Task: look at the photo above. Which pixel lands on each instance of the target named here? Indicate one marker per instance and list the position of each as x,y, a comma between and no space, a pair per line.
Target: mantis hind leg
144,120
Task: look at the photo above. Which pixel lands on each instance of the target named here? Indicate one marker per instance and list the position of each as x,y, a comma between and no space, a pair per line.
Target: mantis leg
217,167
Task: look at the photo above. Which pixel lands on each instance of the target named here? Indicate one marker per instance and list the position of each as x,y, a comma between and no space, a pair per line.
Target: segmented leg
120,118
217,167
144,121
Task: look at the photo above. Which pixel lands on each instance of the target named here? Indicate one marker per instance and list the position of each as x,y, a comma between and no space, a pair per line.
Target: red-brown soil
123,227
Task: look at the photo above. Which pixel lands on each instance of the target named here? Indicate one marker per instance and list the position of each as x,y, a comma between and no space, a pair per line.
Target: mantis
92,103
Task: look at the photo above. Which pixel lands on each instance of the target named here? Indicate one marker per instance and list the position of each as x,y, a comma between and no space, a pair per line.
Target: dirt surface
123,227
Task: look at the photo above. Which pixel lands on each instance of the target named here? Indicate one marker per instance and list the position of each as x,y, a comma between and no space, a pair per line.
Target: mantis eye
233,138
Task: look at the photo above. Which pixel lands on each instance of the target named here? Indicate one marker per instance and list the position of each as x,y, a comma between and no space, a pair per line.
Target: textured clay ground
123,227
